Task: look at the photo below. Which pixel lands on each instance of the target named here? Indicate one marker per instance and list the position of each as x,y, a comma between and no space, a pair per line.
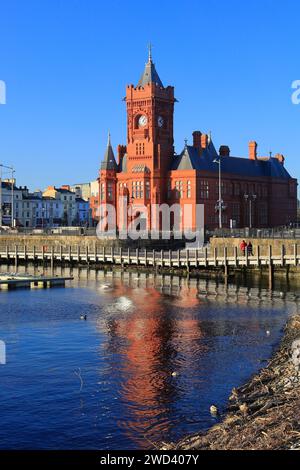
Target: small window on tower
189,189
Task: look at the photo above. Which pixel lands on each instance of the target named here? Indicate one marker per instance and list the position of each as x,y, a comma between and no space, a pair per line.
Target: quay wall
84,241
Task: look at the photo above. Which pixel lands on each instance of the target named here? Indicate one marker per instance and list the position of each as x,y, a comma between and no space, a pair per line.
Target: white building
68,199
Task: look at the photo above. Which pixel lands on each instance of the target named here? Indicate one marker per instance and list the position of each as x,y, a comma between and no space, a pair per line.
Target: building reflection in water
156,347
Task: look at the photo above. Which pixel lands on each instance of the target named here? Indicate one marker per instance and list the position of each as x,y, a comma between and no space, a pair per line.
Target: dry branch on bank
264,414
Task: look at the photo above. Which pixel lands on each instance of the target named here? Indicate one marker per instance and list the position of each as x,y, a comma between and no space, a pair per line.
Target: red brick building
255,191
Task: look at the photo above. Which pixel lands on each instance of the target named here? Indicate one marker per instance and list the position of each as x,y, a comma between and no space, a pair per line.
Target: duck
83,317
214,410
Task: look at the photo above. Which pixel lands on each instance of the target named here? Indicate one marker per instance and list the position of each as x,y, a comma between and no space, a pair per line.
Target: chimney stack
121,152
253,150
280,158
224,151
197,141
204,141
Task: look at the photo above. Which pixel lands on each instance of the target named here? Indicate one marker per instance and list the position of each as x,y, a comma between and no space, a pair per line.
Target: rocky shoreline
264,414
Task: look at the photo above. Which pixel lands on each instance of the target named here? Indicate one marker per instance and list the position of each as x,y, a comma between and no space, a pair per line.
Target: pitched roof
189,159
109,162
140,168
150,75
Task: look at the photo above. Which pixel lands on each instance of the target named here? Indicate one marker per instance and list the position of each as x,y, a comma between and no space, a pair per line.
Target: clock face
143,120
160,121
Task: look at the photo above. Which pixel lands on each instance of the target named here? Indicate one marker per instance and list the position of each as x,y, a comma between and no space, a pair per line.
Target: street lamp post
251,198
220,202
12,199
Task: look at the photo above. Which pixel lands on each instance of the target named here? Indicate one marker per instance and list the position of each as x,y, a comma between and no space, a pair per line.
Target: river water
152,356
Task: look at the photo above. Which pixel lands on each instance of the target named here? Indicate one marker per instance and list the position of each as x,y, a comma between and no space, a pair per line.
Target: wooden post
205,256
153,258
61,253
78,253
87,254
161,258
282,255
16,256
271,269
25,254
146,261
121,256
70,253
225,263
103,254
137,255
112,254
43,253
295,254
235,256
258,256
178,253
170,258
52,257
246,256
128,255
7,253
215,255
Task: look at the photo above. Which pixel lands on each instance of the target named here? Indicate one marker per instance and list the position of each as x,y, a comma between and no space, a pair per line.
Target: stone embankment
264,414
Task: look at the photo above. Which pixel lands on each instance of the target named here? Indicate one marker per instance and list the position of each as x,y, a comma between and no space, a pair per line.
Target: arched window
189,190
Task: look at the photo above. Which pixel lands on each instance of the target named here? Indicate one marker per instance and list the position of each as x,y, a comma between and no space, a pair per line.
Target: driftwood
264,414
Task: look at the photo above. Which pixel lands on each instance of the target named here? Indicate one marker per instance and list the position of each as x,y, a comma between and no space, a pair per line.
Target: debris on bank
264,414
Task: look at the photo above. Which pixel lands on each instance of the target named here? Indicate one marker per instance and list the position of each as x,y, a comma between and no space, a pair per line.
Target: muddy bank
264,414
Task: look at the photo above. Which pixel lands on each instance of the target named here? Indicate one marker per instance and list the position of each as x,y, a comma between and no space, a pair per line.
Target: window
188,190
258,188
265,191
134,189
138,190
102,192
140,148
169,189
263,213
237,189
251,189
224,188
236,213
179,189
147,189
204,189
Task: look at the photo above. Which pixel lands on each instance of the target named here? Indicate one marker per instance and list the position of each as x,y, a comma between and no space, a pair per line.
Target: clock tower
150,142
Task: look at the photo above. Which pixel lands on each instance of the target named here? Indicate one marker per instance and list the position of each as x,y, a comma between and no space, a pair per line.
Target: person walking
243,247
250,249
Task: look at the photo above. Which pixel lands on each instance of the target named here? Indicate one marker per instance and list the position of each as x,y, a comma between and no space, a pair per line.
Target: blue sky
66,64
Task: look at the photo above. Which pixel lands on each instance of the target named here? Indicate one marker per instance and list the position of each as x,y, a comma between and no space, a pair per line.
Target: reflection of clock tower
150,109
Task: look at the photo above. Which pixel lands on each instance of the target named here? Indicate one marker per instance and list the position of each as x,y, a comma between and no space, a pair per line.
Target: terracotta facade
148,170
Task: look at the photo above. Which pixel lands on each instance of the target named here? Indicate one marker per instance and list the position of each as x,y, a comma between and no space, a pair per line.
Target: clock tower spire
150,108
